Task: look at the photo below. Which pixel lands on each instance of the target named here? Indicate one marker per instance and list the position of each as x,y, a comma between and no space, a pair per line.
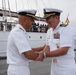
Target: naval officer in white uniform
19,52
60,39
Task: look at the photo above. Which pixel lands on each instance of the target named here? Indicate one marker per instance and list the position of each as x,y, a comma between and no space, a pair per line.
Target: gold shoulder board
63,25
21,29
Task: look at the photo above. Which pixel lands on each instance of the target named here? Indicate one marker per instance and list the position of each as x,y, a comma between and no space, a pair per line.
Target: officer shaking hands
61,43
19,51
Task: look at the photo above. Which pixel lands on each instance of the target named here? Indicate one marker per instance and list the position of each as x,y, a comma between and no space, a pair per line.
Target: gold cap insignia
21,29
48,15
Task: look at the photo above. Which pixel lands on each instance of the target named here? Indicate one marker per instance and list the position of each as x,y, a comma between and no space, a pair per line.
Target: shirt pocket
56,42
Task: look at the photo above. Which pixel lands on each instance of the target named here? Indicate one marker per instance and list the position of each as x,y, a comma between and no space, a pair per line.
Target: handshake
43,54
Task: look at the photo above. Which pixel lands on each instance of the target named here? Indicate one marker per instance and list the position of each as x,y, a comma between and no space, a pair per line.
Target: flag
67,21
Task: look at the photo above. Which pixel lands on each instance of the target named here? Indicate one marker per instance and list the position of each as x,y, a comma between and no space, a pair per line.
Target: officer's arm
46,49
38,48
58,52
31,55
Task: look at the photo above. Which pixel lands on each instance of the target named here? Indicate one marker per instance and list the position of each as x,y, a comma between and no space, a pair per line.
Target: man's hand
41,53
40,57
46,49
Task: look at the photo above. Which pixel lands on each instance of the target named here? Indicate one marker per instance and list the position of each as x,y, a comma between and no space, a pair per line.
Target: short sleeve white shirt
63,37
17,44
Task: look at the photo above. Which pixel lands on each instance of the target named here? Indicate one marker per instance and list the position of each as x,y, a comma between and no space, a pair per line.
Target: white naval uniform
17,44
62,65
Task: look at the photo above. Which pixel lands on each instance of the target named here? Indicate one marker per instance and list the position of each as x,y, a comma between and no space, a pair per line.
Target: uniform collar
58,25
20,27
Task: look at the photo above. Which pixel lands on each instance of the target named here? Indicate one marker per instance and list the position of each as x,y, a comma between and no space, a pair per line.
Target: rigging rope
37,7
16,5
23,4
28,4
43,3
49,4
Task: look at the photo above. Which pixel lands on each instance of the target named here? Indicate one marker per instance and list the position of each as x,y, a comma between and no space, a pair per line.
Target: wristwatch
44,55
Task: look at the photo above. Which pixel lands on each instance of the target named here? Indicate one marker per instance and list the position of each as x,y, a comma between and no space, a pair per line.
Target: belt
55,60
63,60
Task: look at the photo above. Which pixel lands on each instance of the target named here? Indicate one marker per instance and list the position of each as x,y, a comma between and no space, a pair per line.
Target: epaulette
21,29
63,25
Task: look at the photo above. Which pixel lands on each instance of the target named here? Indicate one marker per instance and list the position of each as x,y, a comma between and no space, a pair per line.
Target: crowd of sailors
34,28
39,28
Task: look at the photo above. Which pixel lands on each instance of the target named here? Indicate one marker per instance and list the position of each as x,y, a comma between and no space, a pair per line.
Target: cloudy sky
67,6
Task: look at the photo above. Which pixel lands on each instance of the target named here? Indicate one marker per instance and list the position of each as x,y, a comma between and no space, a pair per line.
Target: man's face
50,20
29,22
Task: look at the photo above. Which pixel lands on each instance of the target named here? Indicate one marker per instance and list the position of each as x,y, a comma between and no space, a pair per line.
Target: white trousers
18,70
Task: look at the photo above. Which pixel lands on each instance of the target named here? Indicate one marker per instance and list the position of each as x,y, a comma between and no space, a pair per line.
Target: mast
4,15
3,8
9,9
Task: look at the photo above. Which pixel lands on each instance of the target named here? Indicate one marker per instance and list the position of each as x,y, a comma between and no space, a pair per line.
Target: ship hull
35,40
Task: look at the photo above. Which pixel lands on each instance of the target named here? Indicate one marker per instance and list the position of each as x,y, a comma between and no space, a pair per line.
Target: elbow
31,55
65,52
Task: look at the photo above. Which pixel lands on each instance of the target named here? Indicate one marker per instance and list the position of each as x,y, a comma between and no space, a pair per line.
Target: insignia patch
57,36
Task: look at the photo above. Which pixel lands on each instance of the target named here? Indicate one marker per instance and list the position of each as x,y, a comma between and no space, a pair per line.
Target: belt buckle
55,60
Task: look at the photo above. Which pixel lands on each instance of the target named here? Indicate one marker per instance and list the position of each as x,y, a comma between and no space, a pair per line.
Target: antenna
68,15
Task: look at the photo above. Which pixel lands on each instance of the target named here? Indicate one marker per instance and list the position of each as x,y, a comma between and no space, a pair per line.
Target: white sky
67,6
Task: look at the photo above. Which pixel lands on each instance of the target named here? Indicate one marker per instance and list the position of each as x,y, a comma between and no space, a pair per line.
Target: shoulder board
21,29
63,25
